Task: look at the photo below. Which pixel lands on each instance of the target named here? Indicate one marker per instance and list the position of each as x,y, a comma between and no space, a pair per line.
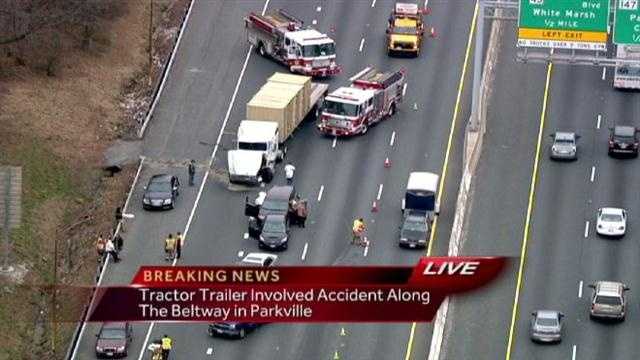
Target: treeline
37,32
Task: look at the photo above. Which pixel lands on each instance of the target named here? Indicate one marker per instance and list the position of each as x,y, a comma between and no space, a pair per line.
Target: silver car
611,222
608,300
546,326
564,146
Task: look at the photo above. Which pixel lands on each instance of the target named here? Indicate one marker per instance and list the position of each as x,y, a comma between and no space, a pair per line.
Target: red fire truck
282,37
372,96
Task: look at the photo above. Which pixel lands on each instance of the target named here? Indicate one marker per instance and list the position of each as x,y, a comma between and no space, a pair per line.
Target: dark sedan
623,140
546,326
231,329
113,340
414,230
161,192
275,233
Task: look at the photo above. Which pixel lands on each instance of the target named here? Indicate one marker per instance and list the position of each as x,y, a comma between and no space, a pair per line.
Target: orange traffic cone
432,33
387,163
374,207
427,10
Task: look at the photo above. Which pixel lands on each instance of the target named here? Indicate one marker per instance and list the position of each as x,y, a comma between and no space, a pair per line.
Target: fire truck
372,96
282,37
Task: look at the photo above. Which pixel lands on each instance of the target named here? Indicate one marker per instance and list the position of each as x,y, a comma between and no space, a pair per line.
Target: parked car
611,222
113,340
564,146
161,192
275,233
608,300
623,140
238,329
546,326
414,230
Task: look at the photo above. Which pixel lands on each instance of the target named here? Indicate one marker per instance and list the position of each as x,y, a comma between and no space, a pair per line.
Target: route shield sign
566,24
626,30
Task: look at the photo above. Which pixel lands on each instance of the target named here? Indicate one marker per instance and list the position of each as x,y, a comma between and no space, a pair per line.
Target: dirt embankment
67,92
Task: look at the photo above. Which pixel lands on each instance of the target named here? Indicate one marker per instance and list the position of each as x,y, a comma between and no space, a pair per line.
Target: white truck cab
258,148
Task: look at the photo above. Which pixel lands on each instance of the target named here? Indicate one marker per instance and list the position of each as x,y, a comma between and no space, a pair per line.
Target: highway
563,253
340,178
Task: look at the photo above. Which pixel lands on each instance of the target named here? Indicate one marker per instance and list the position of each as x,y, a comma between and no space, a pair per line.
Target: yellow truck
405,30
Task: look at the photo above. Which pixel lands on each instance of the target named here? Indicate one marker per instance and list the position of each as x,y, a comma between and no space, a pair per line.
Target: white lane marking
209,351
573,352
599,121
404,89
604,72
304,251
206,174
586,229
393,138
335,139
366,248
240,253
319,8
426,3
245,236
106,262
580,290
379,192
373,3
320,192
593,173
314,21
361,45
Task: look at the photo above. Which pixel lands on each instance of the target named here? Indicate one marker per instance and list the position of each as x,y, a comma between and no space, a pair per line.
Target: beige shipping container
294,79
289,89
279,95
276,110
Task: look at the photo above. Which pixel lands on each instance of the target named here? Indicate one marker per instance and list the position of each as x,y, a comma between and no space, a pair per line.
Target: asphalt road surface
341,179
563,253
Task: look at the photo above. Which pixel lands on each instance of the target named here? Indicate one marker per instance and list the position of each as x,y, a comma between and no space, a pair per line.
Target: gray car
608,300
564,146
546,326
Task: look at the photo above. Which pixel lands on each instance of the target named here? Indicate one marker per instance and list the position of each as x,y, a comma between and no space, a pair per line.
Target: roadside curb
166,71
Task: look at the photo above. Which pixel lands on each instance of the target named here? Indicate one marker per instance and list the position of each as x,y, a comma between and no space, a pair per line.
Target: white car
258,259
611,222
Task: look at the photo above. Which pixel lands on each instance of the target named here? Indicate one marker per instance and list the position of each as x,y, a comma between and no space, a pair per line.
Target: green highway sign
626,29
568,24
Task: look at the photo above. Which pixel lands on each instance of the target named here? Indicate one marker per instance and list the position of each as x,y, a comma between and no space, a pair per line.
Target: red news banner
294,293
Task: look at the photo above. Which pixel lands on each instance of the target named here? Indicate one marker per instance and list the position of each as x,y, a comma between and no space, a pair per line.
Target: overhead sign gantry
565,24
626,29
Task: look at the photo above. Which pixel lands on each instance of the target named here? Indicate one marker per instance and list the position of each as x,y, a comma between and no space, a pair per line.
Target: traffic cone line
387,163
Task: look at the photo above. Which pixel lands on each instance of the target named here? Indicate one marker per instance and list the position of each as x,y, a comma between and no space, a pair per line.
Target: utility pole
477,69
150,41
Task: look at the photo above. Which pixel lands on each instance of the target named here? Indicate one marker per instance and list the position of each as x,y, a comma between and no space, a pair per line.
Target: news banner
293,293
